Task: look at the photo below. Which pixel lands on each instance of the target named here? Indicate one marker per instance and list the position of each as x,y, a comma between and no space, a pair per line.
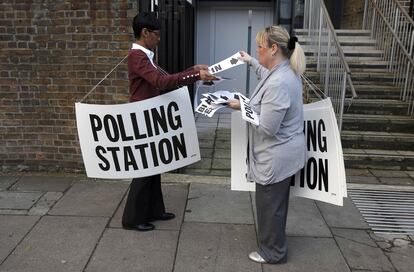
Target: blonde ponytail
298,60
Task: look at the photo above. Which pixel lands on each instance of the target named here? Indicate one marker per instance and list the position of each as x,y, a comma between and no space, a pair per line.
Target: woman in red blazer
145,201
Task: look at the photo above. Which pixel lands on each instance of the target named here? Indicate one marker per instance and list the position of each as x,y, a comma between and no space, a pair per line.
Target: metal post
249,49
373,22
408,66
393,40
364,20
310,17
320,37
327,64
305,14
341,111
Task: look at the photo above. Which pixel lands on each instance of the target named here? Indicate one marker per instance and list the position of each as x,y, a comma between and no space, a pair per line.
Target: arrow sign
228,63
233,61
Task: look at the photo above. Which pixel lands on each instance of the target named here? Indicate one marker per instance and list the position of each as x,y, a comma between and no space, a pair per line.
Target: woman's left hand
234,104
199,67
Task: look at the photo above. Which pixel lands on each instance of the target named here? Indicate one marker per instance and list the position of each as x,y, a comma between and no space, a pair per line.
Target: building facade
54,52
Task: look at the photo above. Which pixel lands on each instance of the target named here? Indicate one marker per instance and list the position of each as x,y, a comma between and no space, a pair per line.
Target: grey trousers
272,203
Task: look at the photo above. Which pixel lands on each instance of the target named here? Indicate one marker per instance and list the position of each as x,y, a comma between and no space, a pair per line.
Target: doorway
222,30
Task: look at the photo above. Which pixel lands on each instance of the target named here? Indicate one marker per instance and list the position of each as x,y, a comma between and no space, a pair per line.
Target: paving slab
18,200
121,251
43,184
402,258
389,173
211,247
304,219
358,172
397,181
12,229
175,199
218,204
90,199
311,255
7,181
347,216
205,163
221,164
45,203
56,244
362,179
222,154
360,251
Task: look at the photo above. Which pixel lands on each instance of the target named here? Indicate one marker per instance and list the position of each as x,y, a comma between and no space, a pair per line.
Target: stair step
376,106
339,32
379,159
311,62
358,78
351,52
369,122
377,140
344,41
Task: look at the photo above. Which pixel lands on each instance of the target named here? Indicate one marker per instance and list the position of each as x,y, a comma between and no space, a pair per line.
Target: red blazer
146,81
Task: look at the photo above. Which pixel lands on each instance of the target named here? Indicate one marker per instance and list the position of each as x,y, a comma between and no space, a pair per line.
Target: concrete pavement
67,222
71,223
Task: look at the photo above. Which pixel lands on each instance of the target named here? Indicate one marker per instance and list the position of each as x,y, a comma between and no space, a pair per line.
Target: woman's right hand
206,76
245,57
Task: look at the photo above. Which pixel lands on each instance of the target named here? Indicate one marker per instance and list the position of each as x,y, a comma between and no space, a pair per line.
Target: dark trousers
272,203
144,201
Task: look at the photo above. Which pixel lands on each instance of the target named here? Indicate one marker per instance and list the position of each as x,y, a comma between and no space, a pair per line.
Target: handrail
340,51
331,63
393,29
397,39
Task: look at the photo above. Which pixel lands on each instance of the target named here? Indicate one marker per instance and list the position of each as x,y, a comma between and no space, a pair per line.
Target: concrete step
373,91
354,64
360,78
379,159
376,106
339,32
377,140
344,41
382,123
351,52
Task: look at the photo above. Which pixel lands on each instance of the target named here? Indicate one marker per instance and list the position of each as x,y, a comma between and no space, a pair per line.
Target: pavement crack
355,241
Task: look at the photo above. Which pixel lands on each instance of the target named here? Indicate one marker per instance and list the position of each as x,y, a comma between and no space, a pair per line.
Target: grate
386,211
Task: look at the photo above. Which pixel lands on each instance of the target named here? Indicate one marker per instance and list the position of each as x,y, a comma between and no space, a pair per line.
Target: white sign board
228,63
138,139
323,177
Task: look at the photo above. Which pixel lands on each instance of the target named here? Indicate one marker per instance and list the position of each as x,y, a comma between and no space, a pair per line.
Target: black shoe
141,227
165,216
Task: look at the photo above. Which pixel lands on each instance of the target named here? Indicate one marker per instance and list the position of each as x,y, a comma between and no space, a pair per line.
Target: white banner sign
228,63
323,177
138,139
247,113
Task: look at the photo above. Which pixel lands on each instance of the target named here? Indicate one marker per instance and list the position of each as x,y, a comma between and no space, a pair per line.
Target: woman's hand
245,57
199,67
234,104
206,76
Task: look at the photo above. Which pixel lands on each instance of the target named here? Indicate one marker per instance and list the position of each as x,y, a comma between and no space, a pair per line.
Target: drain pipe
249,49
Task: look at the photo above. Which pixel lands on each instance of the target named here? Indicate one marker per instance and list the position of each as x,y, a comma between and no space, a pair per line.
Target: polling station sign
138,139
323,177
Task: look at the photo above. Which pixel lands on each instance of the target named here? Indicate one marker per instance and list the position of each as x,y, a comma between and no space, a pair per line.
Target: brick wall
353,14
52,53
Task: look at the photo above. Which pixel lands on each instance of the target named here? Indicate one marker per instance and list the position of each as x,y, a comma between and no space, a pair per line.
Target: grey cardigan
277,145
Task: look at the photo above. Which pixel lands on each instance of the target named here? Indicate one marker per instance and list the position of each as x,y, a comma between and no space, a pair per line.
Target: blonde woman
276,149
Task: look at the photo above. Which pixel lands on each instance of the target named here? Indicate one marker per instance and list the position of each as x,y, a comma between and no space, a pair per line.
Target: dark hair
144,20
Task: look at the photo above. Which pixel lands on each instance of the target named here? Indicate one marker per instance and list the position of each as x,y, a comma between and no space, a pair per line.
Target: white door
223,31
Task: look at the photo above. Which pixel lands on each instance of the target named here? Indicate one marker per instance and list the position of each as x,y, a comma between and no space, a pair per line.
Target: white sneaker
255,257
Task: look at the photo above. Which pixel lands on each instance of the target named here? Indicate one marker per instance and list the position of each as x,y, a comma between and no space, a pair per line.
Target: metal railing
393,29
335,74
